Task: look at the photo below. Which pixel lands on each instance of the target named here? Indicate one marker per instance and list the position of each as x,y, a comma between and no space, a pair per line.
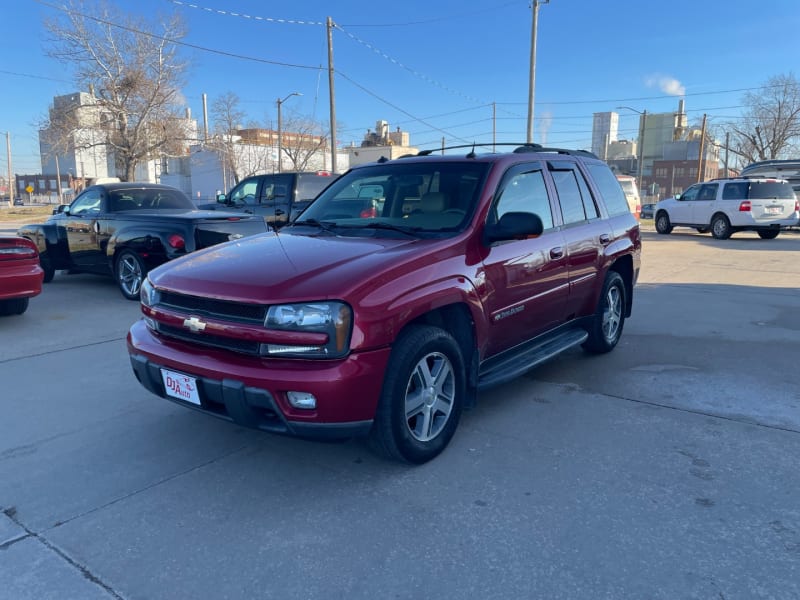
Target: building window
661,172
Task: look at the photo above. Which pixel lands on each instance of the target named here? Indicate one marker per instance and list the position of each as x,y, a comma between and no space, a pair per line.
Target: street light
280,133
643,114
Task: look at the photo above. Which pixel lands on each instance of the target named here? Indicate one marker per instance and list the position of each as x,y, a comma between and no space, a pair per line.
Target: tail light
369,213
797,206
745,206
176,241
16,249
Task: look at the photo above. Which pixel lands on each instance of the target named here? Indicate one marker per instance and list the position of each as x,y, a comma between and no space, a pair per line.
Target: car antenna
472,152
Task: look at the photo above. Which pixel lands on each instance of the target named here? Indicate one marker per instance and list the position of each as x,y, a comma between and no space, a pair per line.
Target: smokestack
681,104
205,117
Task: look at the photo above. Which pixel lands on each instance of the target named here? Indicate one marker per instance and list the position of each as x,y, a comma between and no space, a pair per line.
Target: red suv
406,288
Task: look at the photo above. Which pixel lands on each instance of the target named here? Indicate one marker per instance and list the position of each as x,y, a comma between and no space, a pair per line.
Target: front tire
609,319
130,272
422,396
768,234
15,306
663,225
720,227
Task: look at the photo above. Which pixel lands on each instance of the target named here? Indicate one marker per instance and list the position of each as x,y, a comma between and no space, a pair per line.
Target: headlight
148,293
333,318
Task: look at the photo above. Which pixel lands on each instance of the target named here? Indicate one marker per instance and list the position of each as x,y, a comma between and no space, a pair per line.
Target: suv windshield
429,196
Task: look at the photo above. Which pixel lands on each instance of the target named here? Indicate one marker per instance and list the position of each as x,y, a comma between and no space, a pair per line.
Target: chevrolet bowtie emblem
194,324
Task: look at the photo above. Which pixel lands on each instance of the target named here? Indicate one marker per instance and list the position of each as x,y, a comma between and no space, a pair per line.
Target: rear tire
130,272
422,396
609,319
720,227
768,234
15,306
663,225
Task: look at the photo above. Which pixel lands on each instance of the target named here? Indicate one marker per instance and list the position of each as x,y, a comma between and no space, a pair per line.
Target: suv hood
286,267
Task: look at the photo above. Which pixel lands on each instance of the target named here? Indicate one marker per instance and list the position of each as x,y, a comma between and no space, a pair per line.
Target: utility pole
10,181
702,148
641,150
58,182
332,94
532,80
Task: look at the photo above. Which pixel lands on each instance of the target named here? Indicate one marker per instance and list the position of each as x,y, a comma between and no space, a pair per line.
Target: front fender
385,311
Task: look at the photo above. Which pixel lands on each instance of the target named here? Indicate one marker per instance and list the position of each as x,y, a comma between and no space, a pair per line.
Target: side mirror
678,196
221,198
61,209
514,226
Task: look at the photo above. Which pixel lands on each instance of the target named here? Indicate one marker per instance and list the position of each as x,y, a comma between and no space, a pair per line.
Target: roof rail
519,148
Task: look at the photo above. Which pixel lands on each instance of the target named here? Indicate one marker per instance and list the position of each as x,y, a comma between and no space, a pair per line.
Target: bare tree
135,77
227,117
304,143
770,127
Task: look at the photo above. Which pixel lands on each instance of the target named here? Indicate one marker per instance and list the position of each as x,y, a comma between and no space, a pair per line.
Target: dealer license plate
178,385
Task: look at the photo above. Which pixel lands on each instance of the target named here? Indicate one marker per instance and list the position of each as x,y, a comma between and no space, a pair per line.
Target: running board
512,365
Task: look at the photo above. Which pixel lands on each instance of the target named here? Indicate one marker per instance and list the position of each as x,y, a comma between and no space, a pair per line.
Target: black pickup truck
126,229
276,197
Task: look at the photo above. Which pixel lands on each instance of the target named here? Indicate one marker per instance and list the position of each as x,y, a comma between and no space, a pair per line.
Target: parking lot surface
666,469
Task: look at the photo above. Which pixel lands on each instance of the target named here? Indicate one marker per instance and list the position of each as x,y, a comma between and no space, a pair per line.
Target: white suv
724,206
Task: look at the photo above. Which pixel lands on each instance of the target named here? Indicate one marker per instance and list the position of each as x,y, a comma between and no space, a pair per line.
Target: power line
397,108
176,41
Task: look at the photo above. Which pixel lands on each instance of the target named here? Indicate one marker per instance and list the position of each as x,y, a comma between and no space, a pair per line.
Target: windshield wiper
409,231
328,226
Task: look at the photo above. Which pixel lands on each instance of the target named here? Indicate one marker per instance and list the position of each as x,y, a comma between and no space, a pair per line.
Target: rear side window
609,187
735,191
573,193
767,190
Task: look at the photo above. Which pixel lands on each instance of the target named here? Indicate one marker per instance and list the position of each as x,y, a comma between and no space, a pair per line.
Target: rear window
757,190
309,186
770,189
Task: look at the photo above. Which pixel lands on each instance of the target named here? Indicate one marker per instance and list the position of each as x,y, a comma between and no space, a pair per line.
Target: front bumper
251,391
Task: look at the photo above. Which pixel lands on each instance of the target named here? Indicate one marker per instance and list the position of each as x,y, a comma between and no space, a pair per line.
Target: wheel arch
624,266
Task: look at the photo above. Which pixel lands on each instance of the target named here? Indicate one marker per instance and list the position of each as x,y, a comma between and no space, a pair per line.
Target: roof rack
520,148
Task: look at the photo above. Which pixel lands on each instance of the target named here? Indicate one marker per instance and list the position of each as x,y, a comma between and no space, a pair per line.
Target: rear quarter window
609,187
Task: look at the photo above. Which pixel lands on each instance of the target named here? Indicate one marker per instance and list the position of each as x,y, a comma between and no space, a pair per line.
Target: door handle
557,252
605,239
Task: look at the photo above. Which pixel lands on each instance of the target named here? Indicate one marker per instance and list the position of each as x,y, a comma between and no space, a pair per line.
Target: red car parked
21,274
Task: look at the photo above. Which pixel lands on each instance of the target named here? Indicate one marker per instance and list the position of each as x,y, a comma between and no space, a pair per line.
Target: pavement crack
59,350
705,414
149,487
82,569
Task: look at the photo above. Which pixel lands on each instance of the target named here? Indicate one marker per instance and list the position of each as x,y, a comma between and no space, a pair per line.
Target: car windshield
148,199
395,199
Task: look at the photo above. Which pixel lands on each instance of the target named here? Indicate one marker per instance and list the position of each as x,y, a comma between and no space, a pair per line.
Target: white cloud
668,85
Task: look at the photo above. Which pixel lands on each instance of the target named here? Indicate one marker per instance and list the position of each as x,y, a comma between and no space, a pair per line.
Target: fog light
302,400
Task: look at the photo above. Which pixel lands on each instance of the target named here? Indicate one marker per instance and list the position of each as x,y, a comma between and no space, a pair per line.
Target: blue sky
434,68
